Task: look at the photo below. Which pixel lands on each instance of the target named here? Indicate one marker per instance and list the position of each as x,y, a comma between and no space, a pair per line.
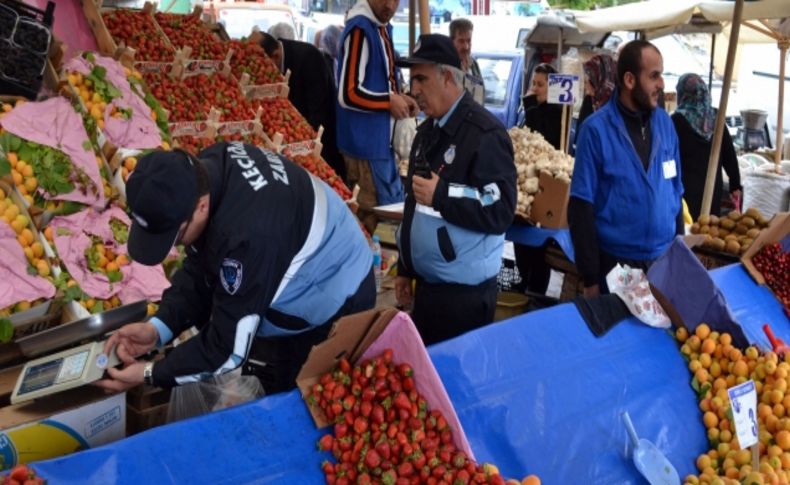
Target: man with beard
625,204
461,35
460,199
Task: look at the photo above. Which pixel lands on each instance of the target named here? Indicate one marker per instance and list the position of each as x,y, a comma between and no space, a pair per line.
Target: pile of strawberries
280,116
774,264
318,167
384,432
137,30
189,30
191,98
249,58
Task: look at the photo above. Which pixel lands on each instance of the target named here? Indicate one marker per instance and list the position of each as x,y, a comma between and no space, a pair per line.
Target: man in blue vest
370,101
625,204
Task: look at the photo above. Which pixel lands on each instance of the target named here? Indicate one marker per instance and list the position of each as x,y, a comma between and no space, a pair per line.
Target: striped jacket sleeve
351,92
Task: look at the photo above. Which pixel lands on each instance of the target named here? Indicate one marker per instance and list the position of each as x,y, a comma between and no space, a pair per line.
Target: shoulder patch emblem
230,275
449,155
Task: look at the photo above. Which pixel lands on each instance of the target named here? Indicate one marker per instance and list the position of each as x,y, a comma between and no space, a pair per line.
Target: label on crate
299,148
276,90
195,67
236,127
743,399
152,67
188,128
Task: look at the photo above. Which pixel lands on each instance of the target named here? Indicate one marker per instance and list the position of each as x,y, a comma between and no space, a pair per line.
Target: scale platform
62,371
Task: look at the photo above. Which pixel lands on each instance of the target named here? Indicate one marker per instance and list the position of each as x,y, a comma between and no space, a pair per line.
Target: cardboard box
777,229
550,207
366,335
75,420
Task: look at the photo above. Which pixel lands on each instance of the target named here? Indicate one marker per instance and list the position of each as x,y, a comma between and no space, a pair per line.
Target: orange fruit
531,480
702,331
43,268
740,369
111,266
682,334
783,439
48,233
122,260
710,419
37,249
708,346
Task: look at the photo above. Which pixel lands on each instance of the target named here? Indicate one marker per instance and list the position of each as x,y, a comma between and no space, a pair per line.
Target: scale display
62,371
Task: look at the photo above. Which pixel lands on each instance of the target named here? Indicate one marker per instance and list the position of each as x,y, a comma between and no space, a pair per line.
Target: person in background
546,119
273,258
539,115
370,100
600,73
282,30
694,120
328,45
461,35
461,197
625,202
312,89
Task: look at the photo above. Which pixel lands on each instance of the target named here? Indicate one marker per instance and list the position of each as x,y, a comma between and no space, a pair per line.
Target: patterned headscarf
694,104
601,70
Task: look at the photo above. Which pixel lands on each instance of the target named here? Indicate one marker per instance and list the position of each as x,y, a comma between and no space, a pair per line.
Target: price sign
743,399
563,88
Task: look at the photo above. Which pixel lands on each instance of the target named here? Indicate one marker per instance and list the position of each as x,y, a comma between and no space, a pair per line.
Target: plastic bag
213,394
769,192
402,137
632,287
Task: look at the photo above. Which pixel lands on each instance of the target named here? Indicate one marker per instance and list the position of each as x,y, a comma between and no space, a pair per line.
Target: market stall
535,394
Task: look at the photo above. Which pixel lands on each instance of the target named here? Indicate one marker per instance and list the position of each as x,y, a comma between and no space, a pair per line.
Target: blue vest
635,209
366,134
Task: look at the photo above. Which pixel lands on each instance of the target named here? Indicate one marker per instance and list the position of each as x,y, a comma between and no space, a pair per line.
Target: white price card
563,88
743,399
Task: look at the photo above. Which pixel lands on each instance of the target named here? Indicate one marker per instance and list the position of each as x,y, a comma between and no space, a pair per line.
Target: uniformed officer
274,256
461,197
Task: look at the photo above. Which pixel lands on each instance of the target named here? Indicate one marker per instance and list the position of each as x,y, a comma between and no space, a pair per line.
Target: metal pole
783,46
412,24
559,52
712,55
718,132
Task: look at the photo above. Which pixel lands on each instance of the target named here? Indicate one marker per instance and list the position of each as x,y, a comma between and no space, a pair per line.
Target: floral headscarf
694,104
601,71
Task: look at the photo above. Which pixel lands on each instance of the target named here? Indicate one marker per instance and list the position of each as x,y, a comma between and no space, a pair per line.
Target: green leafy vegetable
120,230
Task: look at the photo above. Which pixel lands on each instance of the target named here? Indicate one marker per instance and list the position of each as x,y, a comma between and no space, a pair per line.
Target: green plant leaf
114,276
5,167
6,330
98,307
26,152
87,146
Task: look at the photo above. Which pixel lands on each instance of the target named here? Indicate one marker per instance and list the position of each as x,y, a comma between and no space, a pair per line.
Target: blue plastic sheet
537,236
535,394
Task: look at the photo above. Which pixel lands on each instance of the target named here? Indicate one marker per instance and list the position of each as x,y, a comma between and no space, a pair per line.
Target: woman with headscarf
600,74
694,119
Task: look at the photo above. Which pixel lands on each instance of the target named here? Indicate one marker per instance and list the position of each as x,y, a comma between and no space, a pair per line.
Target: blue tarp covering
536,236
535,394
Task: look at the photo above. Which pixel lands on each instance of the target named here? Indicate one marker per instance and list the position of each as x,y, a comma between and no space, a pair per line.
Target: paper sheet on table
54,123
682,279
16,284
402,337
71,240
139,130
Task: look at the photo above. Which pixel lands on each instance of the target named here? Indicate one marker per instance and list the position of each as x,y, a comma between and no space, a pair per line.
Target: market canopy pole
425,18
412,24
783,45
718,132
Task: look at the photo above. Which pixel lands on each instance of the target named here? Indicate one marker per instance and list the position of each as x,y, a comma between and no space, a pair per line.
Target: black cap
161,193
432,49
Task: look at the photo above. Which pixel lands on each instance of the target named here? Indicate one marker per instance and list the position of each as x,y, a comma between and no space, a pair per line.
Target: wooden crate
572,283
141,420
713,259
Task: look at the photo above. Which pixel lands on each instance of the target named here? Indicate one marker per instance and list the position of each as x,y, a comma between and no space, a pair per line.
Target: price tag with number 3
743,399
563,88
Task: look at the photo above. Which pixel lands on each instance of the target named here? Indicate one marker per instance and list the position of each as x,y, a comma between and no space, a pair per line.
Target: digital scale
56,368
63,371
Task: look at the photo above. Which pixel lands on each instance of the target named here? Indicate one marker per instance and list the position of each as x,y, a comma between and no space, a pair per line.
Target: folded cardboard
76,420
550,207
777,230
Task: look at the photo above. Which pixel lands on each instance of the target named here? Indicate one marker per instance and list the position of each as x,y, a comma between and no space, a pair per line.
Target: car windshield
240,21
495,76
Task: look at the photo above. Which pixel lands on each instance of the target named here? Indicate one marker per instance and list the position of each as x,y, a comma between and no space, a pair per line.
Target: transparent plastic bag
631,285
219,392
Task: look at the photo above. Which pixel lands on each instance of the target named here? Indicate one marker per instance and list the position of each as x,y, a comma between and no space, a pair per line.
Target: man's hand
424,188
131,341
401,106
737,197
414,108
591,291
122,379
403,291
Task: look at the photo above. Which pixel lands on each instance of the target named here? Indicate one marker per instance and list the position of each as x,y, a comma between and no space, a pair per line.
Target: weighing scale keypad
72,367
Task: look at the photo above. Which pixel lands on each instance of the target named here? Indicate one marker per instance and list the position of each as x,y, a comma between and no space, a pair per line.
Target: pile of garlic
533,155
